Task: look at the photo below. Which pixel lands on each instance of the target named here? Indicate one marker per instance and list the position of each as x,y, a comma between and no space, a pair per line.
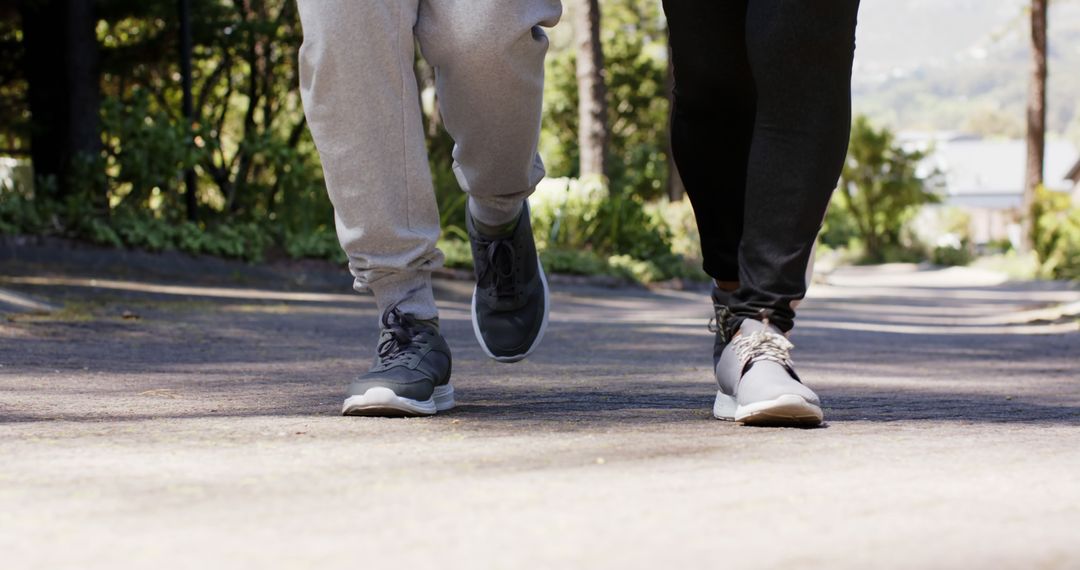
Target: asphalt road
183,424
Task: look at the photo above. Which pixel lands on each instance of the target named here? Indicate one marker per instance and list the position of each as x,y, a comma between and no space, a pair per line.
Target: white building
985,177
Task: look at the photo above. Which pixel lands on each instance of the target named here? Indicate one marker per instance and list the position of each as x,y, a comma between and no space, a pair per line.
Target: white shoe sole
787,410
539,335
383,402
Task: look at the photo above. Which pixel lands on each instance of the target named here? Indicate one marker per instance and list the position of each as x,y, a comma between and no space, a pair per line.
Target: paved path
196,426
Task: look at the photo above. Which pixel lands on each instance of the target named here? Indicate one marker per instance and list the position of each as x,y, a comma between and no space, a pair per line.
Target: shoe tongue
751,326
414,325
429,323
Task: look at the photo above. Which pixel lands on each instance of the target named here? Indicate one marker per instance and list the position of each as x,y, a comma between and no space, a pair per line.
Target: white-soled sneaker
411,372
758,383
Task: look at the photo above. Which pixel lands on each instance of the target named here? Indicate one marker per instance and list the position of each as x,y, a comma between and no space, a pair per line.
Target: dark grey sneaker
757,381
511,301
410,375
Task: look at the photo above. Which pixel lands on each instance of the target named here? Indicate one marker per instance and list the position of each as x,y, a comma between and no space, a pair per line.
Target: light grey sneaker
758,383
411,372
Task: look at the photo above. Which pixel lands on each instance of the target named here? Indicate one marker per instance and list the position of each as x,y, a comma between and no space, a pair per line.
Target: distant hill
962,65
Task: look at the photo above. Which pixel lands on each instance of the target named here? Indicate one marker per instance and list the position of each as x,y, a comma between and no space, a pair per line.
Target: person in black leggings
760,127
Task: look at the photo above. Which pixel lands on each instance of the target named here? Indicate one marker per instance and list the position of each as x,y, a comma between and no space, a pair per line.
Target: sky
901,34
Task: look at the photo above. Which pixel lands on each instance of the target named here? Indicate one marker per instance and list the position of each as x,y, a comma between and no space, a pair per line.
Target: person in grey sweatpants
360,97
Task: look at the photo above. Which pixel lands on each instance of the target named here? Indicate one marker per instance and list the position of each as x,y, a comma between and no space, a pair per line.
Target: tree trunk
592,93
1036,119
61,69
191,199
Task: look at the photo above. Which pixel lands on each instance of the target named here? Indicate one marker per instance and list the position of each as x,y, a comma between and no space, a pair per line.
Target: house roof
1074,173
997,167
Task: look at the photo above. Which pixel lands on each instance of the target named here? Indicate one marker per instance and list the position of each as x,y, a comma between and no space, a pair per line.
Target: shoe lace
499,263
762,345
718,323
398,333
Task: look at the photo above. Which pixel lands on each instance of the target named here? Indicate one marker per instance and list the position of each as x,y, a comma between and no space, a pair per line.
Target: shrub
1057,235
679,220
950,255
575,262
458,253
321,243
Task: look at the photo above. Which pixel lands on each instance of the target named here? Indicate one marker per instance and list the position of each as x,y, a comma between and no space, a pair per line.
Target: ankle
726,286
411,293
494,222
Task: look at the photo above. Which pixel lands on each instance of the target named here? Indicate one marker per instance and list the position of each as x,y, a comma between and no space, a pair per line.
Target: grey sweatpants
362,106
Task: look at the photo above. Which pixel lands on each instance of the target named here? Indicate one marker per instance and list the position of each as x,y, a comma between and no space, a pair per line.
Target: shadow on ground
611,357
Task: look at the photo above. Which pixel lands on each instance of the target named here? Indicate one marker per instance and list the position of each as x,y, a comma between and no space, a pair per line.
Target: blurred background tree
90,93
881,189
1036,120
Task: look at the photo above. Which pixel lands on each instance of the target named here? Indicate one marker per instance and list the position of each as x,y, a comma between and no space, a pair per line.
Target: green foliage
566,212
458,253
839,229
260,186
582,228
573,214
558,138
625,267
1057,235
681,223
452,201
318,243
636,67
942,234
880,190
249,146
20,213
1002,245
575,262
146,150
128,227
950,255
635,73
14,109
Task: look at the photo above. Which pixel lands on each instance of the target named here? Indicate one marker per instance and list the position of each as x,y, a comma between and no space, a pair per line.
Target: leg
801,53
712,121
488,57
360,98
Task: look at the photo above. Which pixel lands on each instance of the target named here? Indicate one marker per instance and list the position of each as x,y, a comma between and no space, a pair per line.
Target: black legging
760,129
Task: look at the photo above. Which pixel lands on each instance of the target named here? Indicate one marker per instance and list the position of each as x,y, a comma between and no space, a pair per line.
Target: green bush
580,229
1057,235
950,255
575,262
145,152
681,224
881,190
1002,245
321,243
458,253
20,213
566,213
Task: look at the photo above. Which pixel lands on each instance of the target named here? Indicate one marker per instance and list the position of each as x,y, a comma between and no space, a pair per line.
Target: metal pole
185,75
